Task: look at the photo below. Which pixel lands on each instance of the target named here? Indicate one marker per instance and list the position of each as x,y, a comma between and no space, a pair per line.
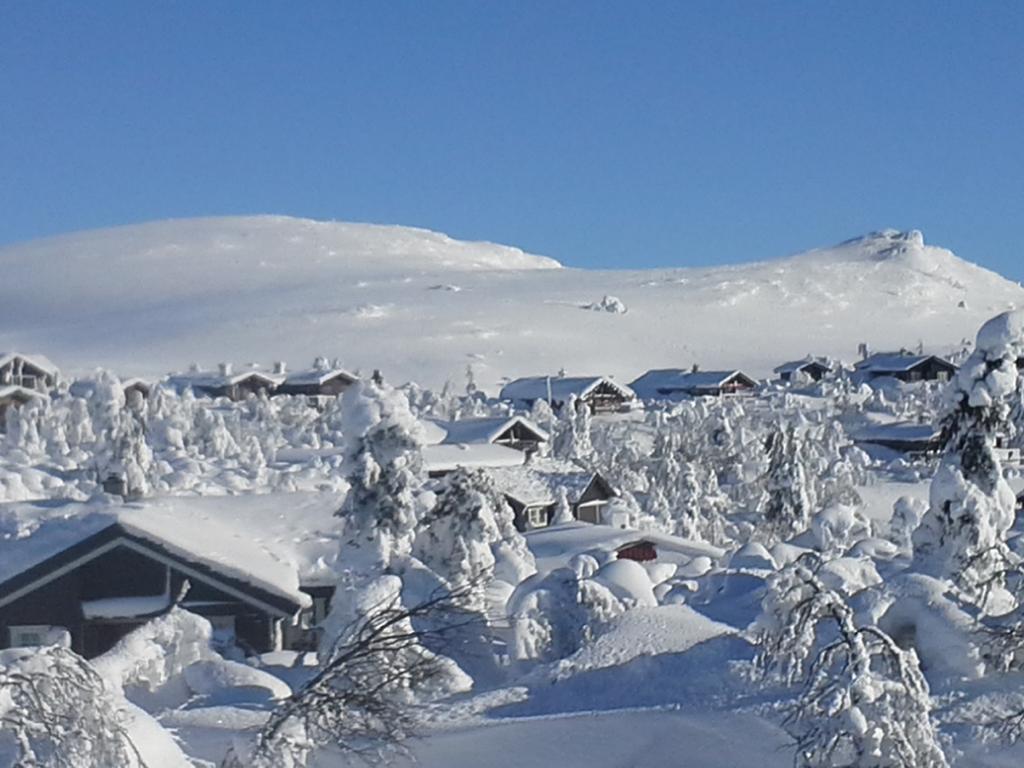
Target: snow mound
645,632
222,679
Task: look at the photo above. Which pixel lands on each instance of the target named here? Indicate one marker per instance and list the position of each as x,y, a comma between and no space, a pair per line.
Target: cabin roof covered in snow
798,365
537,482
562,387
14,392
682,380
41,362
215,379
895,362
479,430
447,458
273,542
317,376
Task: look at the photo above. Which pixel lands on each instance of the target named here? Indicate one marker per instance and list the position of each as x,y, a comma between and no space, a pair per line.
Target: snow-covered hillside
152,298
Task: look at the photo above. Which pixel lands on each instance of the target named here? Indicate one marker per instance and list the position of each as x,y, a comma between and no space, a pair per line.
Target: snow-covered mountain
416,304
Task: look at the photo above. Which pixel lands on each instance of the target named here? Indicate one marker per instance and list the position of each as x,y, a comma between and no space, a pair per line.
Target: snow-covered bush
469,537
554,615
863,700
361,701
55,710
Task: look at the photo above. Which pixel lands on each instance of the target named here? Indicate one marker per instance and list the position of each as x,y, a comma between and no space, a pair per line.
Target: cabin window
538,517
29,634
943,376
27,381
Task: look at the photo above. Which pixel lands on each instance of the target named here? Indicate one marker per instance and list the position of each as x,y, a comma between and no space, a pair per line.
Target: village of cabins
126,566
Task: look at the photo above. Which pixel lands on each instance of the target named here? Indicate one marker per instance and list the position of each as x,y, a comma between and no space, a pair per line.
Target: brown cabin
317,382
906,368
111,582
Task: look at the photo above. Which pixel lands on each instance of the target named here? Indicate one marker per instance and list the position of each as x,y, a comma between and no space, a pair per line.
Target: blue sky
603,134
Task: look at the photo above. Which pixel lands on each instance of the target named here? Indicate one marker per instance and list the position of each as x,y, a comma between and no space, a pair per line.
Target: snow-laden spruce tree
55,710
686,504
469,538
384,453
381,510
863,702
571,439
962,536
787,508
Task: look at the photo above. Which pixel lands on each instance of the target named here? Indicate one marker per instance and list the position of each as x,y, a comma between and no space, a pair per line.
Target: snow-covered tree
469,537
787,509
384,451
363,701
555,614
563,509
863,701
55,710
962,536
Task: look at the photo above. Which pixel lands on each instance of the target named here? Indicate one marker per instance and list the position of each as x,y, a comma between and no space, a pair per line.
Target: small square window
29,635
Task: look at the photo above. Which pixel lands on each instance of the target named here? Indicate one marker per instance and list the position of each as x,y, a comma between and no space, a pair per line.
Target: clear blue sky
603,134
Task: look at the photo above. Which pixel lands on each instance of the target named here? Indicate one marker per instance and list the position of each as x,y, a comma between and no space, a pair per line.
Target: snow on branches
55,710
863,701
962,536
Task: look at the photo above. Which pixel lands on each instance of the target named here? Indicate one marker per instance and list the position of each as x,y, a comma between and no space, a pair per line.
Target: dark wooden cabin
906,368
600,393
674,383
316,382
227,383
588,495
814,368
113,581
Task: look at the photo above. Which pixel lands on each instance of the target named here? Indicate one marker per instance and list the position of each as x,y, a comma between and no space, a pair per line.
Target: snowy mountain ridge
147,299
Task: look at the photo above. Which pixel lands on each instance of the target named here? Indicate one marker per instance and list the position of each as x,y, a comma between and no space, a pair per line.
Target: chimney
280,367
225,369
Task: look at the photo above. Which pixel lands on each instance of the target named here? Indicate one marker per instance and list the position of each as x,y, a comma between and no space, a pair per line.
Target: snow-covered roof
555,545
14,392
562,387
798,365
274,542
41,362
666,380
317,376
205,380
447,458
480,430
537,482
895,362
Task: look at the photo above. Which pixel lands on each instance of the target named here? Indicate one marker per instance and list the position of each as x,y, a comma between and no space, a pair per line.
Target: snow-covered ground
148,299
582,656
